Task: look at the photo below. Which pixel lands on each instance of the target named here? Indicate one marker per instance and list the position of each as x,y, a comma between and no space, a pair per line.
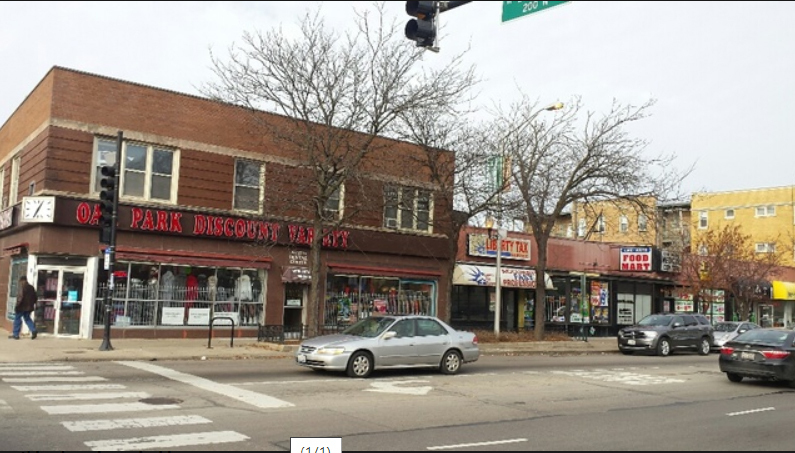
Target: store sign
670,262
198,316
205,225
465,274
636,259
512,248
783,290
298,258
172,316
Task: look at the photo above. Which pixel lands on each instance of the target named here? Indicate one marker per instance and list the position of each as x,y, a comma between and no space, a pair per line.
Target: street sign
515,10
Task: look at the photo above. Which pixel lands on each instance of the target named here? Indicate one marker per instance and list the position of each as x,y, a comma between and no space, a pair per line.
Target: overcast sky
723,73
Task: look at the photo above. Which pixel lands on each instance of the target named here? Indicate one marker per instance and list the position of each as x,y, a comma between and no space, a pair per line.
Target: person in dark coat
26,303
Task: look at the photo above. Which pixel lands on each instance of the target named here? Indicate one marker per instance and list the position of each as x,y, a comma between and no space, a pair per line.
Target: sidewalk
53,349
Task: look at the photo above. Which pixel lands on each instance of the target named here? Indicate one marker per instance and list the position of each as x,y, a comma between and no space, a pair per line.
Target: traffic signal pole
424,27
110,252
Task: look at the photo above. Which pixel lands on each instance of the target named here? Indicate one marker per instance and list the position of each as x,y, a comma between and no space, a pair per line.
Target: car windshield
763,336
726,327
655,321
370,327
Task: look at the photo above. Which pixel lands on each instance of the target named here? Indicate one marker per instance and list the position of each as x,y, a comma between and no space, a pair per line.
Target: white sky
722,72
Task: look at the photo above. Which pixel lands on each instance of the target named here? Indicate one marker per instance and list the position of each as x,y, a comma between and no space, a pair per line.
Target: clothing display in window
212,287
192,285
243,291
167,286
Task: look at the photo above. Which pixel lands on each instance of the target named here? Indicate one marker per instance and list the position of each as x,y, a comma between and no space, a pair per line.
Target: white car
729,330
383,342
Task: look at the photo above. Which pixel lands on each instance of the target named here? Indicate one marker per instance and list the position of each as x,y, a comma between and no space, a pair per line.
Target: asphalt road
589,402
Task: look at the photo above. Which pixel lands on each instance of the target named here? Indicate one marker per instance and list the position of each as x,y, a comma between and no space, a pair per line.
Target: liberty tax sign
636,259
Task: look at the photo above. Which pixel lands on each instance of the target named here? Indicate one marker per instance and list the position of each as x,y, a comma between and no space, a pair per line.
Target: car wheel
664,347
360,365
451,362
704,347
734,377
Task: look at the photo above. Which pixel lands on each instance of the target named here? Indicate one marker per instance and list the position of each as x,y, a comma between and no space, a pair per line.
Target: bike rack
231,337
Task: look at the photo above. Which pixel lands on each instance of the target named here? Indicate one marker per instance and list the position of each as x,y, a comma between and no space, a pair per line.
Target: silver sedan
383,342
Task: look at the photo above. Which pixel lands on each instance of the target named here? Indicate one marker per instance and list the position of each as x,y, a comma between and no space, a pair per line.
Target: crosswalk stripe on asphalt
106,408
66,387
166,442
128,423
86,396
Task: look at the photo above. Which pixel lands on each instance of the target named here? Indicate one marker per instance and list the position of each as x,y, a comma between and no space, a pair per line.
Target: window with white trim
600,224
623,224
407,208
13,190
2,188
702,250
765,211
581,228
703,220
333,208
248,194
765,247
148,172
643,222
729,214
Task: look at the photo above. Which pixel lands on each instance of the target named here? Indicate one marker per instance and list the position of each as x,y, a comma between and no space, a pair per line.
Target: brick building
204,226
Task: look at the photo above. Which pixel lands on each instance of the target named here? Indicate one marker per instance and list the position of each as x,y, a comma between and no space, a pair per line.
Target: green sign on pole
515,10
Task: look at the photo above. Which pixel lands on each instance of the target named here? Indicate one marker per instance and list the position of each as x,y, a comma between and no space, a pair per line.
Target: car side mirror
742,331
390,334
677,325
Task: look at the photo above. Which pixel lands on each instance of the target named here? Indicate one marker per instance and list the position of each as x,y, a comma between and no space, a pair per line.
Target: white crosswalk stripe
4,407
87,396
55,379
37,368
106,408
166,442
40,373
27,364
66,387
129,423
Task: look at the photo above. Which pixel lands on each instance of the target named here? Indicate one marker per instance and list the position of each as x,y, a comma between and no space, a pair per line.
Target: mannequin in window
212,287
243,290
192,292
167,286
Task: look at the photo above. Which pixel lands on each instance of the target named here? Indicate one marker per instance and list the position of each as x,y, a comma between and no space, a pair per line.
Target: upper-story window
248,185
623,224
407,208
333,209
766,247
729,214
703,220
13,190
148,172
3,200
765,211
600,224
643,222
581,228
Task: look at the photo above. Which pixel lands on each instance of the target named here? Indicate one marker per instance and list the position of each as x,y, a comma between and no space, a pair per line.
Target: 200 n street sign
515,10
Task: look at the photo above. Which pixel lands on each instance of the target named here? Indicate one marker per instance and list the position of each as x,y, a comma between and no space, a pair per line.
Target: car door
432,341
678,332
400,350
693,331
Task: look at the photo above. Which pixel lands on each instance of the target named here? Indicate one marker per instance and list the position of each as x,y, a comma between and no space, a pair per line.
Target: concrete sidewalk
47,348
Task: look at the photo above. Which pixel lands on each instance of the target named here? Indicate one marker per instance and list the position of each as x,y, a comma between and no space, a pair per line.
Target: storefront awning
783,290
344,268
476,275
297,274
188,258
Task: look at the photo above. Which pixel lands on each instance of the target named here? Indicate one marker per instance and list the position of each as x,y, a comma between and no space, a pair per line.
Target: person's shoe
33,335
11,337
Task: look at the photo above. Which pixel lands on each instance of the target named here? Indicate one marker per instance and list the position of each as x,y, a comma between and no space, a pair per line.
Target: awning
16,249
512,277
783,290
351,269
297,274
188,258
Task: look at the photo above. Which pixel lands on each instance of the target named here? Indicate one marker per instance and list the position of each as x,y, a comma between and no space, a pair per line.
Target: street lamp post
500,233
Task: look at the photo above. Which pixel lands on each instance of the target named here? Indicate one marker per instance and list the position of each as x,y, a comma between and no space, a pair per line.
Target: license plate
631,342
747,356
301,358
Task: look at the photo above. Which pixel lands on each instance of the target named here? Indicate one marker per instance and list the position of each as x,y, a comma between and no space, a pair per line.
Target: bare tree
562,158
726,259
339,94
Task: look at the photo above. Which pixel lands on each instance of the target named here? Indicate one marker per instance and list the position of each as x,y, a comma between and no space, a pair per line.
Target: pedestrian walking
26,303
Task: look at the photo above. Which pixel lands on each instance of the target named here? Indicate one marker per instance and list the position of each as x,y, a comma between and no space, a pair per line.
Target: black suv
663,333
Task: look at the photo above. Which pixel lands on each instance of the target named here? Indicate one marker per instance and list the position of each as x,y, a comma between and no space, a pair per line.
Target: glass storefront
151,294
19,267
353,297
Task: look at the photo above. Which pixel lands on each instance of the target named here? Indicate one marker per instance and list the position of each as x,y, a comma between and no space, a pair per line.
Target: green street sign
515,10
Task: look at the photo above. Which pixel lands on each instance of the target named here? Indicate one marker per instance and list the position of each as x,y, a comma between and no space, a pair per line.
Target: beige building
610,221
767,215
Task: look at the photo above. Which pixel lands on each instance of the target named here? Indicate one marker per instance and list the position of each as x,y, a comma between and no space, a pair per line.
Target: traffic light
423,28
107,201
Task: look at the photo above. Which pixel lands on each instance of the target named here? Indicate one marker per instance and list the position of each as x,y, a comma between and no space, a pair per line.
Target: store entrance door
60,291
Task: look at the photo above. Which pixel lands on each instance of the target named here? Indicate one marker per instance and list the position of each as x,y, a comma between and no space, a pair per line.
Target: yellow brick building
767,215
611,221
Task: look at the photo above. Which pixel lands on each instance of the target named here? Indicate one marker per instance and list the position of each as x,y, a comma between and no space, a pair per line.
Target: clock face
38,209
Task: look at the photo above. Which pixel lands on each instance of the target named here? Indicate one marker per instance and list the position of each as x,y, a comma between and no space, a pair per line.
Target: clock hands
36,213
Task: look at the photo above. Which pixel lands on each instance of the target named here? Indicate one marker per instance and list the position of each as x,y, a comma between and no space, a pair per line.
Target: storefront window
600,302
19,267
149,294
350,298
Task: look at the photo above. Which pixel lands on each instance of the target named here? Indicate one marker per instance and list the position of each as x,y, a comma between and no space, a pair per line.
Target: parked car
729,330
764,353
383,342
662,334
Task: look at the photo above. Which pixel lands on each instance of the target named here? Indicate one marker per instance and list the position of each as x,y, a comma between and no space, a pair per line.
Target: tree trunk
313,304
540,306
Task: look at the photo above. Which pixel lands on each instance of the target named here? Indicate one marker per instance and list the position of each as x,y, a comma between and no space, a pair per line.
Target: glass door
60,292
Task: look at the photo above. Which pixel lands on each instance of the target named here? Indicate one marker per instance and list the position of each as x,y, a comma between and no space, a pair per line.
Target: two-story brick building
203,228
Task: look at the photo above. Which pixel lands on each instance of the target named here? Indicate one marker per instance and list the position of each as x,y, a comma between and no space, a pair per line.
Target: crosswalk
68,393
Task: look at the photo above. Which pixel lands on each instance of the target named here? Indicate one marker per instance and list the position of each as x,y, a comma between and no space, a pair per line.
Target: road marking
13,364
104,408
302,381
478,444
166,442
37,368
4,407
392,387
130,423
87,396
66,387
624,377
40,373
56,379
754,411
246,396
